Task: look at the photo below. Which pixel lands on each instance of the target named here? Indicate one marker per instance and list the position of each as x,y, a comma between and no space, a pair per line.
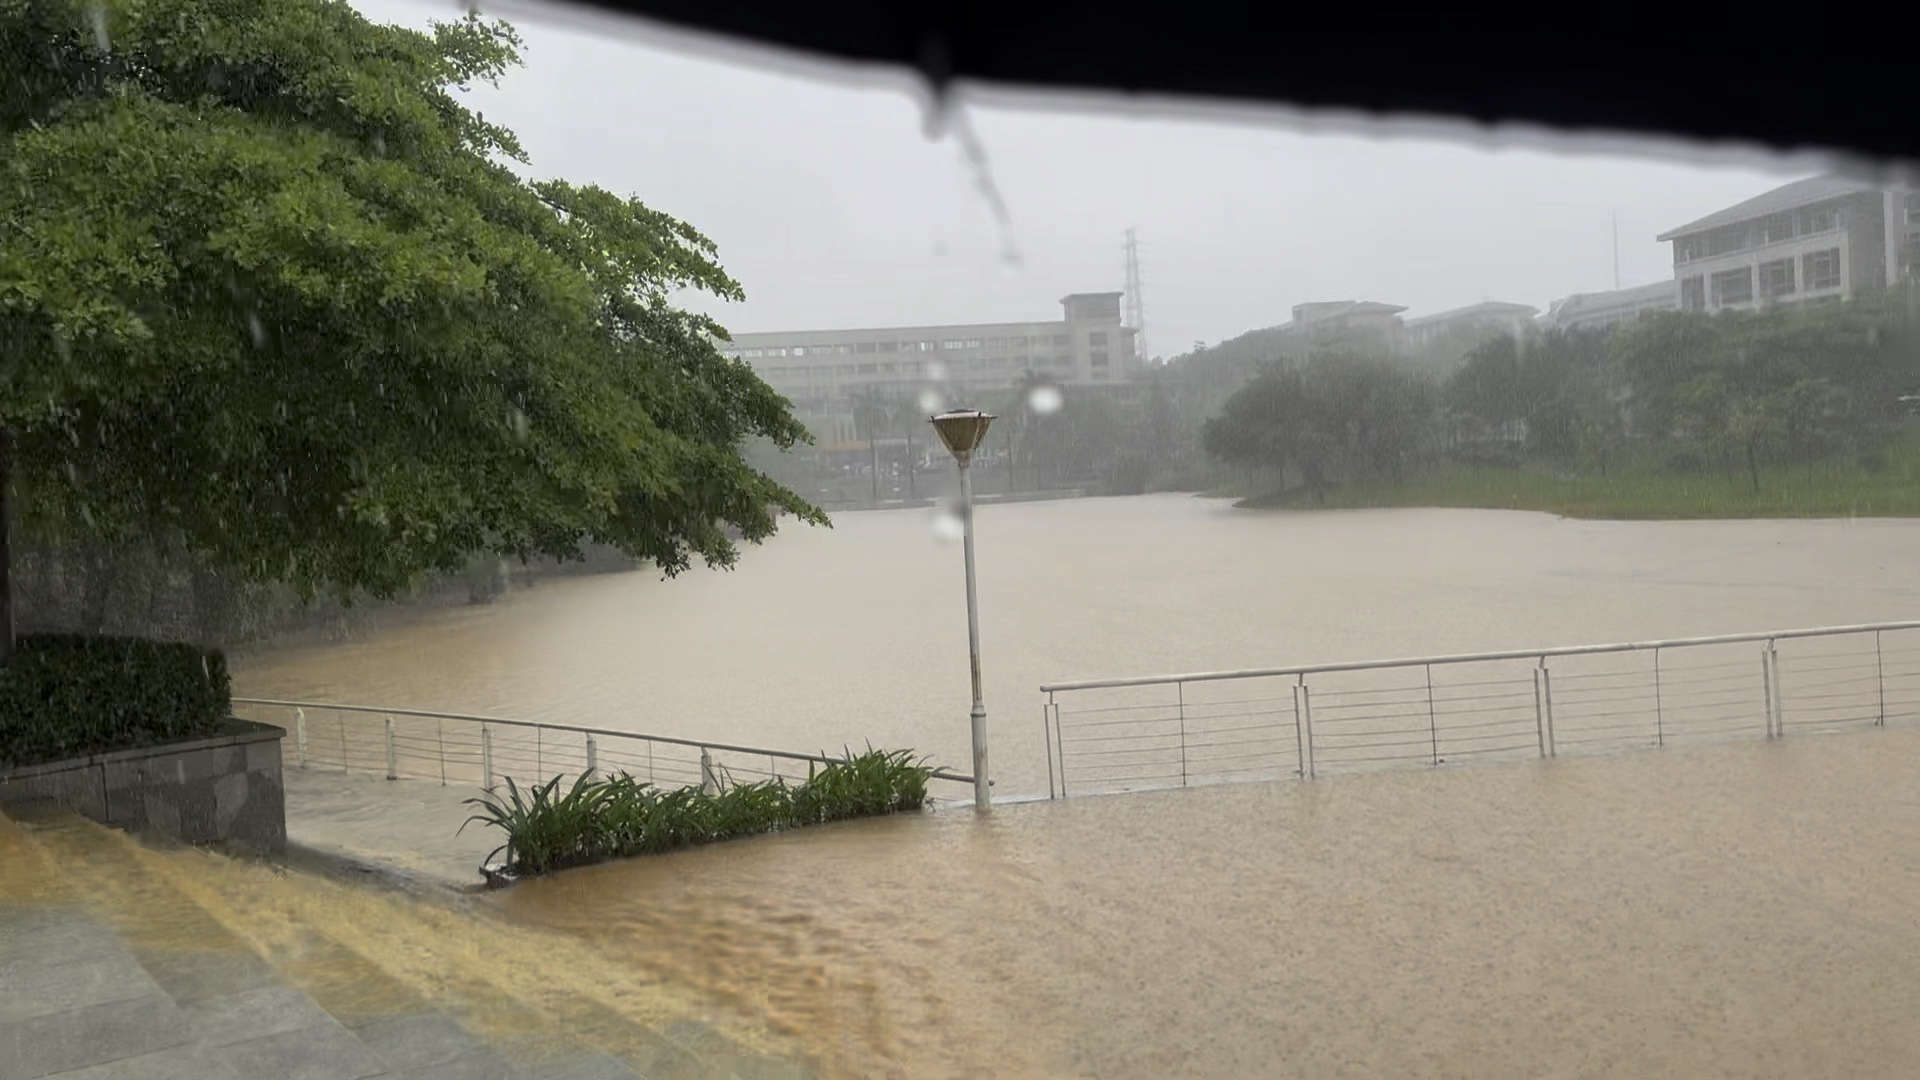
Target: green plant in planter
594,820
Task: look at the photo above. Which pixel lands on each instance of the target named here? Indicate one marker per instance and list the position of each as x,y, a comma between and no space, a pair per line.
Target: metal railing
480,751
1209,727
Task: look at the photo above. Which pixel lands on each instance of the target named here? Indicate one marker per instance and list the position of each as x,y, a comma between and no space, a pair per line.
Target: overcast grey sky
833,208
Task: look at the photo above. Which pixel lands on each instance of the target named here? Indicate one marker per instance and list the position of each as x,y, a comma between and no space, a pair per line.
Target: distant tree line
1739,394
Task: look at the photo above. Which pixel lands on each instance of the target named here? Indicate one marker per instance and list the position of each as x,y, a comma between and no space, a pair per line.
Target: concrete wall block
78,789
127,775
230,794
197,815
162,814
126,806
264,756
259,826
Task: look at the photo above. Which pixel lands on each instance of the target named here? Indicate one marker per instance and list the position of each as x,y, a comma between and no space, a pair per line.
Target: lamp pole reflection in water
962,431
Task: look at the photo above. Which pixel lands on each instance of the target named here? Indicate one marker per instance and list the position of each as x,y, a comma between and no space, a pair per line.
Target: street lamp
963,430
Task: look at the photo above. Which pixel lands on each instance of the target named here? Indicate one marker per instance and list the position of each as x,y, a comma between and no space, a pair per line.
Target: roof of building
1814,189
1485,307
1318,310
1587,303
810,337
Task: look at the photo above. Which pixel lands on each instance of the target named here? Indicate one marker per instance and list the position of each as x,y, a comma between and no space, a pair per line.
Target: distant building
1332,320
1824,238
1492,318
827,373
1602,310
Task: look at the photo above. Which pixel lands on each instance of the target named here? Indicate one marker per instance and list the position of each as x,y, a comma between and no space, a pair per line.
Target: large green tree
1355,415
270,294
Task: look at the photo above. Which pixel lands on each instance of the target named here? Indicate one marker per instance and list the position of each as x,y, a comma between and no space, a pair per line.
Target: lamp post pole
963,432
982,796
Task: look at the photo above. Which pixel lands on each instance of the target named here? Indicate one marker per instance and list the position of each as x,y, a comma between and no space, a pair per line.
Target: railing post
1433,725
1299,740
1546,701
1779,694
1060,748
300,735
1880,677
1539,714
1659,709
1180,689
1302,697
393,761
708,784
1766,688
593,760
486,758
1046,736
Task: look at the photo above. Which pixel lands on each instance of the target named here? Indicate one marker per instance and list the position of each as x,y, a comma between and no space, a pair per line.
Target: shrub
68,695
595,820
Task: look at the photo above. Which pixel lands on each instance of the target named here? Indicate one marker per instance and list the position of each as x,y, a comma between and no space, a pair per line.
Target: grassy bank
1826,490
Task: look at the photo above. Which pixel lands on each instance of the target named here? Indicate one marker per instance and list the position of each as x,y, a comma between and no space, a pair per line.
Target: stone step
299,977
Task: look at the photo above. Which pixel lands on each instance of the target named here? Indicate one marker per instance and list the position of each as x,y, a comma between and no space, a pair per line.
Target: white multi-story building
1487,319
825,373
1603,310
1819,239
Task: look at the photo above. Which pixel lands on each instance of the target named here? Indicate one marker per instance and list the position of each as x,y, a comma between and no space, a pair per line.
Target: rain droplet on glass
517,420
936,371
931,402
947,526
1045,400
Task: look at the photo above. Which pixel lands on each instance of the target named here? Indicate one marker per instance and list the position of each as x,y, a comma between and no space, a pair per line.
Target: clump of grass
548,829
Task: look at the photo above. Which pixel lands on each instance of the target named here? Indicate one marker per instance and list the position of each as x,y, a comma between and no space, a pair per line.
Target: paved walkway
108,972
410,826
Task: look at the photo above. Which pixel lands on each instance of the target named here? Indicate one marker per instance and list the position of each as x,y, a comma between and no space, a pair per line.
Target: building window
1060,339
868,369
1733,287
1821,221
1821,270
1776,278
863,347
1098,337
1098,358
1693,293
1776,230
973,343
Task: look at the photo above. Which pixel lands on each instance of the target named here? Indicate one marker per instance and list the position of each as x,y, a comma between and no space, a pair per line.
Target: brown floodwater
827,638
1742,909
1745,909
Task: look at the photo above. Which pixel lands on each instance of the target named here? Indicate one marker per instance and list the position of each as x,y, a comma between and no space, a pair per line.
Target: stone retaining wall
224,789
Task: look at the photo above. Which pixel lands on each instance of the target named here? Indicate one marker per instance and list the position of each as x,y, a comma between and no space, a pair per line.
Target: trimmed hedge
68,695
